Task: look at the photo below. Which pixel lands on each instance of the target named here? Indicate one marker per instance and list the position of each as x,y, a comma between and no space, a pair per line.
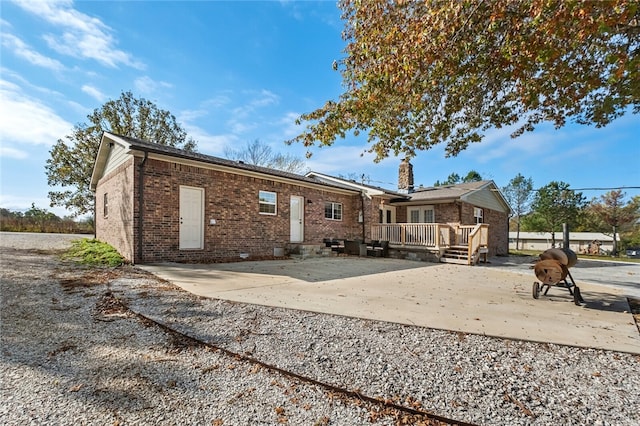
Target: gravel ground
74,351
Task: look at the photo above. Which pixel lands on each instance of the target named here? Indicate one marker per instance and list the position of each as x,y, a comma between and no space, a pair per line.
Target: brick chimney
405,177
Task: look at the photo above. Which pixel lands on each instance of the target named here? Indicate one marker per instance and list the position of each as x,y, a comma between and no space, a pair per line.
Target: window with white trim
424,214
478,215
429,214
267,201
333,211
414,216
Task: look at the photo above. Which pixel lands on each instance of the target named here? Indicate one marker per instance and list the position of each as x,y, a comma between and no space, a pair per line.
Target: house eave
137,152
101,161
401,202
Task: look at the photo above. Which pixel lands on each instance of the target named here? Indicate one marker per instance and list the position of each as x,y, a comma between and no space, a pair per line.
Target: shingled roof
448,192
155,148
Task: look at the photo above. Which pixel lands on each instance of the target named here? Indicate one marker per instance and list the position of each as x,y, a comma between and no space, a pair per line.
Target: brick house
157,203
431,222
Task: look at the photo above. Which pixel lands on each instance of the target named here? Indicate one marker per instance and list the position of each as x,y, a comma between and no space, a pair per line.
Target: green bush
94,252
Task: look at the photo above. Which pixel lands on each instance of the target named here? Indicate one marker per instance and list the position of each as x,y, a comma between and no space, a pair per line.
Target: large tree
423,72
71,162
261,154
455,178
611,214
518,194
553,205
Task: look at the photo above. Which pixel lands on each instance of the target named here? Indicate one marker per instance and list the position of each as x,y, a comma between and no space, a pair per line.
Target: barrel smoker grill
553,269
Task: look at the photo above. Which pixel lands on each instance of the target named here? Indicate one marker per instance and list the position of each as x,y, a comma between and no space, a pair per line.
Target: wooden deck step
453,260
456,254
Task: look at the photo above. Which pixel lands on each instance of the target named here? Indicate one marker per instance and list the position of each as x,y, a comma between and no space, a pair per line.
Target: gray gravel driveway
30,241
76,349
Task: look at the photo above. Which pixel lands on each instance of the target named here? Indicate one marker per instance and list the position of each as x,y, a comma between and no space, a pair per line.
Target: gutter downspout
140,203
362,195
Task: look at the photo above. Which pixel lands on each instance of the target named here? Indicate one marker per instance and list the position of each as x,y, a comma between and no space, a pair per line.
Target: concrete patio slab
481,299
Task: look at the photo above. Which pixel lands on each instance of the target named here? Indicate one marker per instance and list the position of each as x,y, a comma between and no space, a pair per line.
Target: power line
597,189
606,189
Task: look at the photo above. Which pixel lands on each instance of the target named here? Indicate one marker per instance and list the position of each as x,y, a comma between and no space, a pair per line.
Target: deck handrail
462,234
432,235
477,237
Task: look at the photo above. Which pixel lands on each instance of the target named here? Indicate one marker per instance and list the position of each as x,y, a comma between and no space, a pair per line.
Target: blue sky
234,72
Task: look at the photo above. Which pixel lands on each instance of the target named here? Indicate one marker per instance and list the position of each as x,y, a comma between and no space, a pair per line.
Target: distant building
580,242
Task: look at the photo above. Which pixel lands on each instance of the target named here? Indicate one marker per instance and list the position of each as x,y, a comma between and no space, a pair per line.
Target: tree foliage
36,219
422,72
553,205
455,178
610,214
71,163
357,177
518,194
261,154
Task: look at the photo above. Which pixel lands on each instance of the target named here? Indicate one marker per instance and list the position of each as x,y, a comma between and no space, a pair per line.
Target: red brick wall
498,232
447,213
462,213
232,200
498,228
117,227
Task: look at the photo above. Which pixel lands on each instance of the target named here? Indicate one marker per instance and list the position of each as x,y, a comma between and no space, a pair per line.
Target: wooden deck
453,243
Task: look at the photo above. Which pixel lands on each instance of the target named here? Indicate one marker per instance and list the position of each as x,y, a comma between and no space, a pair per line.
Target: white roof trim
366,189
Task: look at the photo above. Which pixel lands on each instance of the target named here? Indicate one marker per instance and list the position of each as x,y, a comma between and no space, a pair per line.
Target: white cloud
246,117
82,36
265,98
240,127
261,99
9,74
148,86
192,114
289,126
216,102
27,120
80,109
340,159
8,152
210,144
94,93
21,49
205,108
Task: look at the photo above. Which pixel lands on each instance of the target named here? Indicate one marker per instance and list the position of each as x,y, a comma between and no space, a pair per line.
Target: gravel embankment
71,355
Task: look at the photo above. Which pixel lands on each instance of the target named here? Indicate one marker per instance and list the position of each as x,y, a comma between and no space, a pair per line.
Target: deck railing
476,238
462,234
431,235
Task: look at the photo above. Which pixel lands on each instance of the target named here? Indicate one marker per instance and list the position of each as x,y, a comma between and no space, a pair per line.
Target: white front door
297,218
388,214
191,218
